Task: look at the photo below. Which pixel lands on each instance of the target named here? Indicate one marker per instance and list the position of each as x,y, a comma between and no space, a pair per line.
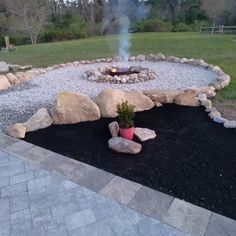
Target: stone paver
19,147
221,226
72,169
36,201
36,154
6,141
5,228
95,179
188,217
121,190
151,202
4,209
79,219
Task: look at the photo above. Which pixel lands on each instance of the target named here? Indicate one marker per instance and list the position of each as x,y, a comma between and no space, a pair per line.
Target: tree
216,8
29,16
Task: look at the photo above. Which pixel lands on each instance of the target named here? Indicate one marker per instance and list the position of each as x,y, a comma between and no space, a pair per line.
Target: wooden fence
219,29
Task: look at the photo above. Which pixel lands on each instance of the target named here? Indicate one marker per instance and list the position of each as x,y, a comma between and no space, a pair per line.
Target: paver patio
43,193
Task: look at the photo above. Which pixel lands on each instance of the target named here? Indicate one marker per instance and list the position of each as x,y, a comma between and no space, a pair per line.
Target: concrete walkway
44,193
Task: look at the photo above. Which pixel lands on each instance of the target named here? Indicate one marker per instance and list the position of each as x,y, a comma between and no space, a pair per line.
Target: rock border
136,74
197,96
18,74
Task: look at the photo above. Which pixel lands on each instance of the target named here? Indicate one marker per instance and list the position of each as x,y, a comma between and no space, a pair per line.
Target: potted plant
126,114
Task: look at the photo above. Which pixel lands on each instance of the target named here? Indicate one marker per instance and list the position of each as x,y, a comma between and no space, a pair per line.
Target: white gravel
20,102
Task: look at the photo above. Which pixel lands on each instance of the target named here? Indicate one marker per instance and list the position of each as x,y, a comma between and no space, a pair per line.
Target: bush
154,25
198,24
126,114
182,27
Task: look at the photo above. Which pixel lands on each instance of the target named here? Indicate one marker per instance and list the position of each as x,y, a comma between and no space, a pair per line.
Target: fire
113,70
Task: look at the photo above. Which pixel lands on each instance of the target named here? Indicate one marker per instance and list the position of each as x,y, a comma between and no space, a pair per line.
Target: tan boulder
187,99
114,128
141,101
108,99
122,145
40,120
71,108
4,83
162,96
20,76
12,79
17,130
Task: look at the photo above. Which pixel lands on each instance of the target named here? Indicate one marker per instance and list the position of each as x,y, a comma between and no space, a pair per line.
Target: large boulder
162,96
17,130
108,99
12,79
71,108
40,120
4,68
122,145
141,102
4,83
187,99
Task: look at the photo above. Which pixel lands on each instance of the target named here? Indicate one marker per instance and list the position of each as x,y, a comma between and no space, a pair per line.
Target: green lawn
219,50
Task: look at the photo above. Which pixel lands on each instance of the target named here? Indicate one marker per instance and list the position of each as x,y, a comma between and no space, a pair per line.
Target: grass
219,50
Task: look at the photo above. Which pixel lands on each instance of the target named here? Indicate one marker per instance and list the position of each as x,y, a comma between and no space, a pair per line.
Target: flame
113,70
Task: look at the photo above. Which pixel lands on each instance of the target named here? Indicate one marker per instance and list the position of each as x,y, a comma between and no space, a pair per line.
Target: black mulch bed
192,158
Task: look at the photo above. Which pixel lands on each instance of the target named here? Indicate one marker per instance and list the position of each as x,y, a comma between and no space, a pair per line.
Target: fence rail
218,29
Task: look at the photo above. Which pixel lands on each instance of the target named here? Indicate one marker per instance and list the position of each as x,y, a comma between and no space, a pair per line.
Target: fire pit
119,71
120,74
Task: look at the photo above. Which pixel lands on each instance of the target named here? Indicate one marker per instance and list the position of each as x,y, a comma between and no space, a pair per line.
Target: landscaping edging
144,100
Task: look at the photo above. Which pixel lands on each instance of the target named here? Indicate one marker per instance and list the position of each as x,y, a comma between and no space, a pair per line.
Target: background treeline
32,21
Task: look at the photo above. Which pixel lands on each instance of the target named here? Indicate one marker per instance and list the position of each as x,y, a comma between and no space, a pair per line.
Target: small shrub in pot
126,115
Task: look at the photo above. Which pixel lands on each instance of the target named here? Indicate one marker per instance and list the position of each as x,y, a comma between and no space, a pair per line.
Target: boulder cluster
135,74
71,108
122,145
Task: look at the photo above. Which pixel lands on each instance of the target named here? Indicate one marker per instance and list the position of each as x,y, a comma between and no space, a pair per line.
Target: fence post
7,42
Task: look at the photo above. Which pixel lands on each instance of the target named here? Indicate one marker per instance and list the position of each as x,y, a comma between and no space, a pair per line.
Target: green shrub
200,23
182,27
126,114
154,25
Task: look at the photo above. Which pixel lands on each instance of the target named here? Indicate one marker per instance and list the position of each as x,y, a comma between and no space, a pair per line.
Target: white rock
230,124
114,129
140,58
219,120
160,57
214,114
206,103
144,134
202,97
4,68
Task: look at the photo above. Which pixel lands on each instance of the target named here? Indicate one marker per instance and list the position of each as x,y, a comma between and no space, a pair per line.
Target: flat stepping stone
144,134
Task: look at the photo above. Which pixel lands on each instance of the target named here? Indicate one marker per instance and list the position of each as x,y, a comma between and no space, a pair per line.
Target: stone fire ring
71,107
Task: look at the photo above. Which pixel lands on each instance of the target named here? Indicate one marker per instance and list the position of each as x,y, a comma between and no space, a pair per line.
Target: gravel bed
20,102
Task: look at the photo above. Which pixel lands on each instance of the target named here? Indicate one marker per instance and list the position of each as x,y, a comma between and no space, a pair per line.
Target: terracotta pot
127,133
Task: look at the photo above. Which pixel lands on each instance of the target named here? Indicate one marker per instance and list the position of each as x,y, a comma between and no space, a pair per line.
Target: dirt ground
227,108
